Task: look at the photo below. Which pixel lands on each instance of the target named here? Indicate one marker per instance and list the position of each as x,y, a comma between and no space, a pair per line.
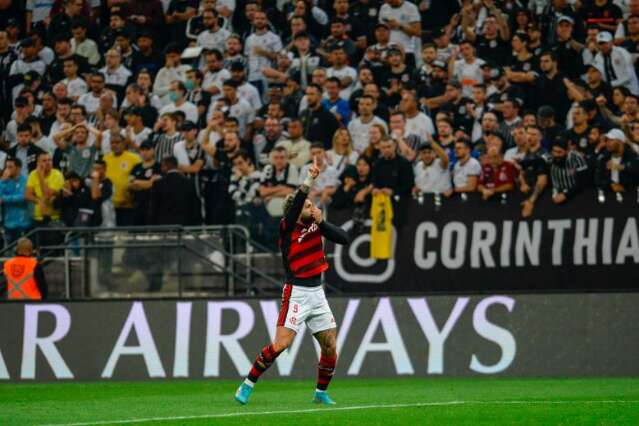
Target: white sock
248,382
318,390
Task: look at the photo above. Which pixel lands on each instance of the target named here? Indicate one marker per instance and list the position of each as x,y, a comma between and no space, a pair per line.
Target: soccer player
303,299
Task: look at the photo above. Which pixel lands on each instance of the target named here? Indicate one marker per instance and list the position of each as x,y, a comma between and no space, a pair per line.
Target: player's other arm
334,233
331,232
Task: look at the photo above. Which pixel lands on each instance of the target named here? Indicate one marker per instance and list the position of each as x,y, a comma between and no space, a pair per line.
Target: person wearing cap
148,58
189,154
245,90
596,84
337,38
383,41
567,50
404,21
28,61
130,56
568,171
62,49
304,59
616,63
432,175
142,177
83,46
617,167
135,132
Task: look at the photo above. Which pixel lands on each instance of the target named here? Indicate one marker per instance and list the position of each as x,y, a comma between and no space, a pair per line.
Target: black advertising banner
473,245
503,335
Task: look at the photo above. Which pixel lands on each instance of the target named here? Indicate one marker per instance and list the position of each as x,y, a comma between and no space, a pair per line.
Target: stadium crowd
137,112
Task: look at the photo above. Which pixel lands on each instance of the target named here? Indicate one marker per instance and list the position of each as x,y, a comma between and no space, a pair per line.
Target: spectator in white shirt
83,46
261,48
76,86
213,37
240,109
466,70
360,126
326,183
616,63
431,171
172,70
518,152
404,21
116,75
297,147
467,169
417,123
91,100
215,74
245,90
179,103
340,69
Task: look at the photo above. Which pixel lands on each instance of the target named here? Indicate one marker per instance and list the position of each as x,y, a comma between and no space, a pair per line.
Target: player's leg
326,368
322,323
284,335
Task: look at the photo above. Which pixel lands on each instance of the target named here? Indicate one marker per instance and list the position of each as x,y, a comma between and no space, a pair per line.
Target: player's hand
316,213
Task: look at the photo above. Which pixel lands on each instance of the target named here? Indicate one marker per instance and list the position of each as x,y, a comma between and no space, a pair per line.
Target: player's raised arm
295,202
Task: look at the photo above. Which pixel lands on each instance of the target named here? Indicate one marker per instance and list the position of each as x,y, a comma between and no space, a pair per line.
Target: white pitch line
325,409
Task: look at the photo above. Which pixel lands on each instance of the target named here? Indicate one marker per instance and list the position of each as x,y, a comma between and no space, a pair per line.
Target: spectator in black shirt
392,173
550,87
143,176
173,200
567,49
319,123
533,177
546,118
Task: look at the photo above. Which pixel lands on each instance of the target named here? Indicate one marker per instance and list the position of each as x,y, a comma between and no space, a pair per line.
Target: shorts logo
293,320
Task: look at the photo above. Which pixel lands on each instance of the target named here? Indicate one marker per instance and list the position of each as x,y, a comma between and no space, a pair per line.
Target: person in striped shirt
568,172
165,136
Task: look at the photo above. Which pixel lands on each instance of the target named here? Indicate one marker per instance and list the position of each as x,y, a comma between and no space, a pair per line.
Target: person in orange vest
25,277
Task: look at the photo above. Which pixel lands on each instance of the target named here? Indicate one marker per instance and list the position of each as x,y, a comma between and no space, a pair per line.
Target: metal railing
219,258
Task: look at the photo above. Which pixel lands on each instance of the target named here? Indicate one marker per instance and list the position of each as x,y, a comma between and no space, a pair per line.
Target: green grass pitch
609,401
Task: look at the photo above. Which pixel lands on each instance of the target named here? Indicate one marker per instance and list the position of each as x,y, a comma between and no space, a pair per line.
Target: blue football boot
321,397
242,394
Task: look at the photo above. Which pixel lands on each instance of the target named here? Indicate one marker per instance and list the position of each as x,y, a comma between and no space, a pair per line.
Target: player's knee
280,345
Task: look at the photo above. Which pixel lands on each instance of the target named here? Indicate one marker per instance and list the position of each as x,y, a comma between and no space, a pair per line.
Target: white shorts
305,305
